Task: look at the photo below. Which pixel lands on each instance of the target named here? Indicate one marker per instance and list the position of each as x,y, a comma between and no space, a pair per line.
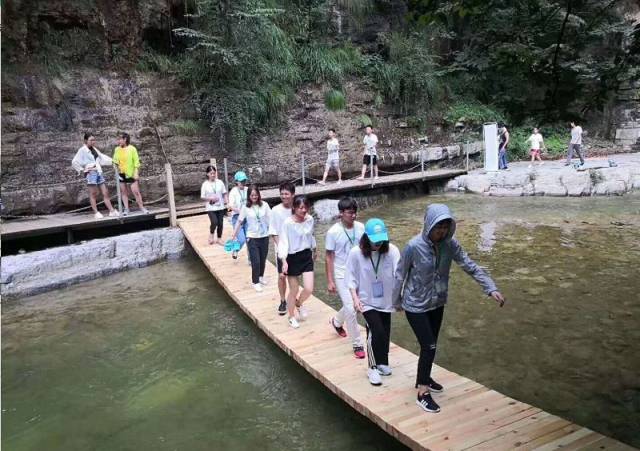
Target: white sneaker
376,177
114,214
125,212
384,370
144,211
257,287
530,166
98,215
374,376
263,281
302,310
294,323
321,183
339,182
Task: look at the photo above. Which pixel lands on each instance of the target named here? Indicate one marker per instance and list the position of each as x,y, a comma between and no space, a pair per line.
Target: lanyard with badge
261,225
352,238
377,288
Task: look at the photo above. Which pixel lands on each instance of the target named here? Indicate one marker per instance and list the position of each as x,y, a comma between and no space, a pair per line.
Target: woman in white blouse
255,213
297,250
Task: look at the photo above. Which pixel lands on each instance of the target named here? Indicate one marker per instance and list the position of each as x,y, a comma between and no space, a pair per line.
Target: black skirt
300,262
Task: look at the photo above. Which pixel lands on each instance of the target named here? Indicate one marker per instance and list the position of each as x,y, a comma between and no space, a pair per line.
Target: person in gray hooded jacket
422,283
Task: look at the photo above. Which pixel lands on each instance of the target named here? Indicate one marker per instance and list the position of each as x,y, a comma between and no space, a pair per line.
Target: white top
296,236
84,159
341,240
237,198
536,141
332,149
370,142
576,135
209,189
257,218
361,277
277,218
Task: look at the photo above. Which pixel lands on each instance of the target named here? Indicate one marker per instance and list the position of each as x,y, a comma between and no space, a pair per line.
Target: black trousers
258,250
378,333
426,327
217,220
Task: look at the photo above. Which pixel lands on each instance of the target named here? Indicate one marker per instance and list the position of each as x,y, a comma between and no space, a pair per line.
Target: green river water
161,359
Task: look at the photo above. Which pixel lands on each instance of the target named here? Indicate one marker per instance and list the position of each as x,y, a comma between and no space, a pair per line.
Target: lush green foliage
335,100
544,58
471,113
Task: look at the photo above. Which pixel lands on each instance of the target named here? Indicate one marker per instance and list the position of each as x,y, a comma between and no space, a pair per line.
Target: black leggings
378,333
217,220
426,327
258,250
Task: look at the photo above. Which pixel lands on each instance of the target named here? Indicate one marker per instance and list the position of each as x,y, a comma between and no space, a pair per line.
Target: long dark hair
126,137
365,246
209,169
92,149
251,189
300,199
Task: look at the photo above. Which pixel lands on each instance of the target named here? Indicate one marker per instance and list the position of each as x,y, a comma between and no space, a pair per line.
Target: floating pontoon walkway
472,417
70,222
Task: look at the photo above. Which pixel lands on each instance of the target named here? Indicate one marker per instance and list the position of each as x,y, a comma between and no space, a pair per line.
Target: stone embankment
37,272
553,178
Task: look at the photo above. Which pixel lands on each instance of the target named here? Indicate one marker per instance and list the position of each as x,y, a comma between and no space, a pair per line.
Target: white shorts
332,163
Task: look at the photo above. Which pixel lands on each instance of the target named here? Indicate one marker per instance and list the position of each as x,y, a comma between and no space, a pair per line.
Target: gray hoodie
422,279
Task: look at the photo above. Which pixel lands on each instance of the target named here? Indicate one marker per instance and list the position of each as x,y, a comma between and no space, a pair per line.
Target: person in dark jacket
421,286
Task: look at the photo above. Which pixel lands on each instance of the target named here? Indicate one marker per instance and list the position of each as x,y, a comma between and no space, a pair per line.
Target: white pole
226,175
115,170
371,168
173,216
422,161
467,152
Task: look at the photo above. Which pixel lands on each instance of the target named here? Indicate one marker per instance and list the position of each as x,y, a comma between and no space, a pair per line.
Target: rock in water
326,210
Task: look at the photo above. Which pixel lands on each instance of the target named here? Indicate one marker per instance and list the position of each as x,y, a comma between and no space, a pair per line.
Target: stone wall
37,272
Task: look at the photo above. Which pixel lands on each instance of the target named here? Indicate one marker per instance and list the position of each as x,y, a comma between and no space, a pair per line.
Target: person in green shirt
125,156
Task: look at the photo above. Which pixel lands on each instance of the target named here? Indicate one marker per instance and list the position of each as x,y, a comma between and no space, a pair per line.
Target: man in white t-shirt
278,215
333,158
536,146
575,144
341,238
370,157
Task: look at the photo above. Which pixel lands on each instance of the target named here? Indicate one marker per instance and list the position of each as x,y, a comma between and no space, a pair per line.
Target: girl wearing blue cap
370,270
255,214
237,198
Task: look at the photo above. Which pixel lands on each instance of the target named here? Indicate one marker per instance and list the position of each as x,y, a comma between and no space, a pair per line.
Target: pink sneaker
339,330
358,351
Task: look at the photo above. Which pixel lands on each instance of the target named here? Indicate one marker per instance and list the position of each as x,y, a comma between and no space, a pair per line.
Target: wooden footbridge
473,416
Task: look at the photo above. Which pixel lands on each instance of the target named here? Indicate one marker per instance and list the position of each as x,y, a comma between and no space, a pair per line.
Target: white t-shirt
576,135
237,198
370,142
341,241
332,149
277,218
361,277
210,188
257,218
536,140
296,236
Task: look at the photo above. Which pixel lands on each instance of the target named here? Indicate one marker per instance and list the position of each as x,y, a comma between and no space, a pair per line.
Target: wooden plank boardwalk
55,223
472,417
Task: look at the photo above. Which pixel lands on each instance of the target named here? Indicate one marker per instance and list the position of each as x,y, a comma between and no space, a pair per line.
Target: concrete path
553,178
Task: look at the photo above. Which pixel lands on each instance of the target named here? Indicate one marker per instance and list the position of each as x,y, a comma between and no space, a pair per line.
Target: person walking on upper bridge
125,156
90,161
575,145
421,289
370,157
333,157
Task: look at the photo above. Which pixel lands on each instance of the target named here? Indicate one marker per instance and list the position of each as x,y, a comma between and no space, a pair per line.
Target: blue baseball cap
240,176
376,231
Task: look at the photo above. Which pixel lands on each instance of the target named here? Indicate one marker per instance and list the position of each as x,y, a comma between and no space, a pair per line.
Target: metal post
466,147
117,176
304,187
173,216
371,168
422,161
214,163
226,175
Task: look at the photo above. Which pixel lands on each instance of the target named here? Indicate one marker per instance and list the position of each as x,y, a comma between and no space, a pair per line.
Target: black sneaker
426,403
282,308
434,386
